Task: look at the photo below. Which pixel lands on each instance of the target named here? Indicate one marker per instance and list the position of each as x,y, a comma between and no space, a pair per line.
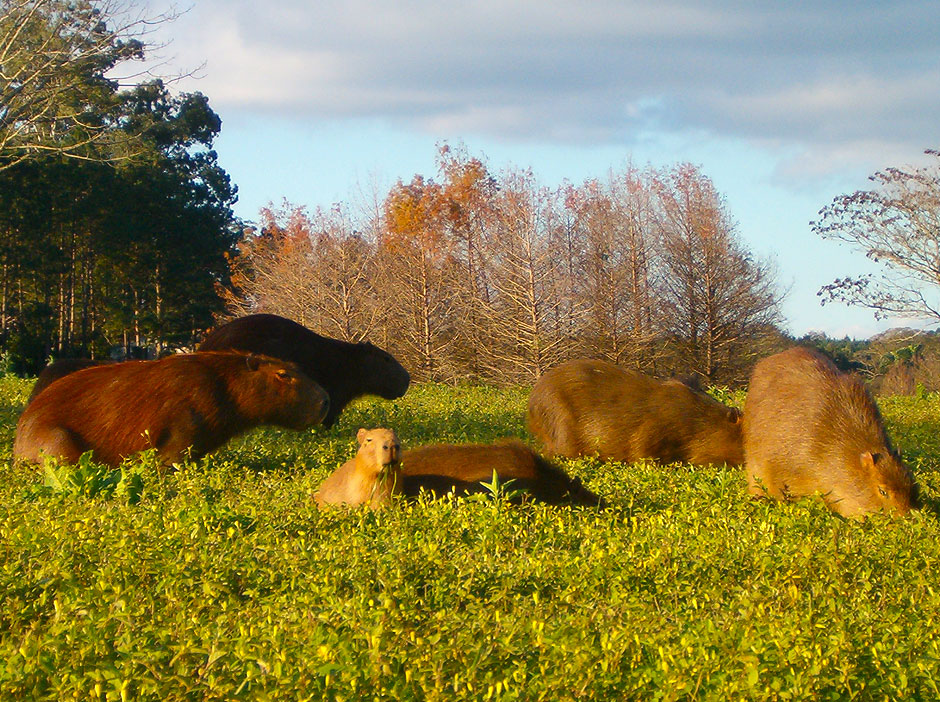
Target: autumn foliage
478,276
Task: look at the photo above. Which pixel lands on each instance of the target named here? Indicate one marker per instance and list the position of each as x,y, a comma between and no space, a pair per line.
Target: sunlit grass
223,581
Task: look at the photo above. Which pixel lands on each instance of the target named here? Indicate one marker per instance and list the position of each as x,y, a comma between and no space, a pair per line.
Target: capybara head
390,378
719,436
281,394
884,483
380,447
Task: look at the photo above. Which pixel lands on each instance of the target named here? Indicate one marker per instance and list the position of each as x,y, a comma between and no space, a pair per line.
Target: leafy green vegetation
222,580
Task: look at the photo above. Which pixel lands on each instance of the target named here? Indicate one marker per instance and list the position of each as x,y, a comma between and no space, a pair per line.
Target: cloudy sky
783,104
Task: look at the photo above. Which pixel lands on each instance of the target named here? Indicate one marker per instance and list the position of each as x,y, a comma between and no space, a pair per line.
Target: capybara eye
882,491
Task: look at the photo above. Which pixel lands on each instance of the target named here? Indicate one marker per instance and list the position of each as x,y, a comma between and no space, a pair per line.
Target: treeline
494,277
115,218
900,361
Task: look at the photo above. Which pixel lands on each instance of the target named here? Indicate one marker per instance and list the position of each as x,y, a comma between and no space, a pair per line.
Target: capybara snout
381,445
298,402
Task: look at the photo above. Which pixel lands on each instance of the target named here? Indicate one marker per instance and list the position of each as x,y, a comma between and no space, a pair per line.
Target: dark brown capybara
345,370
371,477
61,368
440,468
587,407
191,402
810,428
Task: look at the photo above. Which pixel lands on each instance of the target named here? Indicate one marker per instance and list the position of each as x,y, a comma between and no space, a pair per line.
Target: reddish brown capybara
345,370
61,368
191,402
810,428
464,467
586,407
370,478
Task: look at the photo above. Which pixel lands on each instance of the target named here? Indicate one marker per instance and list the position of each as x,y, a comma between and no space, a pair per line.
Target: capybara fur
60,369
440,468
809,428
192,402
345,370
592,407
370,478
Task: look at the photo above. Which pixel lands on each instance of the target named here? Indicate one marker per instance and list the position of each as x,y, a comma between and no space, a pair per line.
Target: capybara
345,370
191,402
61,368
586,407
464,467
371,477
810,428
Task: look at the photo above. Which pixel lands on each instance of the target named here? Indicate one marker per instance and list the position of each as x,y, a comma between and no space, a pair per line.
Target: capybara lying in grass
587,407
810,428
371,477
60,369
187,402
463,467
346,371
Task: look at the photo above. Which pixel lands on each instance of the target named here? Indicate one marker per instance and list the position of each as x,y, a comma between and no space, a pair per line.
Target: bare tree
418,276
719,298
896,225
522,266
617,268
55,93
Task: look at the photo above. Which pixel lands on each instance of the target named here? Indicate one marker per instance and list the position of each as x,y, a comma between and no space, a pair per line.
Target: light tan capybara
345,370
810,428
440,468
187,402
587,407
371,477
61,368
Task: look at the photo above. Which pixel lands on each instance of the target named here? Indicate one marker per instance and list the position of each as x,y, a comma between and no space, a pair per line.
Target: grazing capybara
191,402
345,370
810,428
371,477
586,407
463,467
60,369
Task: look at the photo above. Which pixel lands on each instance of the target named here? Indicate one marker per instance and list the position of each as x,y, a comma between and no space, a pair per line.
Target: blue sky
783,105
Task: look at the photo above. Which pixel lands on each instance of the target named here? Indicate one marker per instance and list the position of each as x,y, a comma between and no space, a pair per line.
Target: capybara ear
869,460
735,415
253,362
361,435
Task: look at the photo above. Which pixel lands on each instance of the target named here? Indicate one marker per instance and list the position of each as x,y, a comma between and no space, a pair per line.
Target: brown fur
196,401
586,407
346,371
60,369
463,467
809,428
371,477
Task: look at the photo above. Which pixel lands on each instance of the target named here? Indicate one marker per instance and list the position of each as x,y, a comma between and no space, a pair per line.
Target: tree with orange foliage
418,265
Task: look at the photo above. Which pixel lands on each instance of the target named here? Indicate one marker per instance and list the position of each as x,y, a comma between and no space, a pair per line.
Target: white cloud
836,87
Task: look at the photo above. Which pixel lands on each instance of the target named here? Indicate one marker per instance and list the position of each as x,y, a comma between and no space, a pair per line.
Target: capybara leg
757,484
61,443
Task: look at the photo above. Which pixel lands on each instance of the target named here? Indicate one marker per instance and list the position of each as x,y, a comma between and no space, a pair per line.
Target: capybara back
191,402
60,369
586,407
810,428
440,467
371,477
345,370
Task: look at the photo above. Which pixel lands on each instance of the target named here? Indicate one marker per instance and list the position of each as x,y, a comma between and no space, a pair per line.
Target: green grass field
222,581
